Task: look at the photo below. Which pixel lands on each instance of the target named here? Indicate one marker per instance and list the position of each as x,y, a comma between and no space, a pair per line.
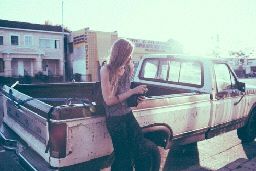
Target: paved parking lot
223,152
9,161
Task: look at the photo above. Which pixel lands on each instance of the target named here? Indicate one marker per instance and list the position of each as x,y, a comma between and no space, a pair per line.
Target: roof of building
30,26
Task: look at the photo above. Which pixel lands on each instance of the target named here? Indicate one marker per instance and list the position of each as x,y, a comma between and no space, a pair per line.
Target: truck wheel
247,133
151,157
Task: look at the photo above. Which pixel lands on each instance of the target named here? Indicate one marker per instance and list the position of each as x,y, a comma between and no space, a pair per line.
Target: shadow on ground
182,158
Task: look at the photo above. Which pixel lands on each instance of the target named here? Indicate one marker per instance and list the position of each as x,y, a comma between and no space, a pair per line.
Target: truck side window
174,72
149,69
190,72
185,72
163,69
224,78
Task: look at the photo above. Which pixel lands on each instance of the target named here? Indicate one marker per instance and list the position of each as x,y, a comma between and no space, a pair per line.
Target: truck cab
228,102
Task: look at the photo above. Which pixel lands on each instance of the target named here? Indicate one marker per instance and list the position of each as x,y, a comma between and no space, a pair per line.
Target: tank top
123,85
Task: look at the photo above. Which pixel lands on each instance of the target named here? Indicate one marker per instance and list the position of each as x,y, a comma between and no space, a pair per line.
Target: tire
247,133
152,156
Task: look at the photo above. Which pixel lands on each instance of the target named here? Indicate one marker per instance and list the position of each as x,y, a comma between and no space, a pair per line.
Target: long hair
120,52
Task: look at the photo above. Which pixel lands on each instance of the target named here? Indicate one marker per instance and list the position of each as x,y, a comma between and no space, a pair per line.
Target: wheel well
245,133
253,108
160,134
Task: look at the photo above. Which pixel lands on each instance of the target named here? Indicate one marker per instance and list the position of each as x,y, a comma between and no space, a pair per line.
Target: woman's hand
141,99
141,89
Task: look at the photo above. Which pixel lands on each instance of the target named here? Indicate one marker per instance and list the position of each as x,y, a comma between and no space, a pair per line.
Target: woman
127,138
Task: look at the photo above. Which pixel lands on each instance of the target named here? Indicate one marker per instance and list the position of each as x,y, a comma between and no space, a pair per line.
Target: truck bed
60,93
52,118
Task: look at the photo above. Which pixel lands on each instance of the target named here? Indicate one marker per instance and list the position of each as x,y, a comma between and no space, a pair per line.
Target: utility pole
63,37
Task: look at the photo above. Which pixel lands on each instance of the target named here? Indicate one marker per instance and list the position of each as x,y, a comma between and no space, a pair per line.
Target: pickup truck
189,99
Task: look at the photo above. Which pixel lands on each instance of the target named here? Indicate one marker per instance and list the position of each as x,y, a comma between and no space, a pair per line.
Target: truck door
228,104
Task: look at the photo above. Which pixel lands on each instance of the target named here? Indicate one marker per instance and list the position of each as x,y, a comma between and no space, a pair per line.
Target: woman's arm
109,96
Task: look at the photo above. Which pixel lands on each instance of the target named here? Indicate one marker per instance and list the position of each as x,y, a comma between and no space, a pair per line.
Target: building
28,49
143,47
90,49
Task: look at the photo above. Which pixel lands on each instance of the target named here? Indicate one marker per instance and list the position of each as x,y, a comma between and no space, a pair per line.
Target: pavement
9,161
221,152
240,164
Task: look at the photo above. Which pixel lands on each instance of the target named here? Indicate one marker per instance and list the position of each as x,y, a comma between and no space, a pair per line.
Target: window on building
14,40
45,65
1,65
46,43
56,44
49,43
28,41
1,40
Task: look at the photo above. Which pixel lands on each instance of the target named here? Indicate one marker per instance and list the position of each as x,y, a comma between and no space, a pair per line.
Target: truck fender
253,108
159,133
250,113
247,133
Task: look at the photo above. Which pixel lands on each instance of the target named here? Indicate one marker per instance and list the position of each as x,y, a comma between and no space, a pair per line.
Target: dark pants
129,144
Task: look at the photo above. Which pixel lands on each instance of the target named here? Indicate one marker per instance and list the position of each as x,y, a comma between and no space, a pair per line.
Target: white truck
189,99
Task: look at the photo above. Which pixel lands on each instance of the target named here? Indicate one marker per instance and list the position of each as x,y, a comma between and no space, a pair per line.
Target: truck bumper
31,161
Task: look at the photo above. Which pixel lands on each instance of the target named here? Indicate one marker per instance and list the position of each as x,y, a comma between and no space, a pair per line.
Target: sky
199,25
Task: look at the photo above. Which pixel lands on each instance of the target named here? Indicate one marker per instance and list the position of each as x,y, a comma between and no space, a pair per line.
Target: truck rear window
172,71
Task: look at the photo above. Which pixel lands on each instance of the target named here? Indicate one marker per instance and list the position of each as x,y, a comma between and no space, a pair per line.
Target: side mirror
241,86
